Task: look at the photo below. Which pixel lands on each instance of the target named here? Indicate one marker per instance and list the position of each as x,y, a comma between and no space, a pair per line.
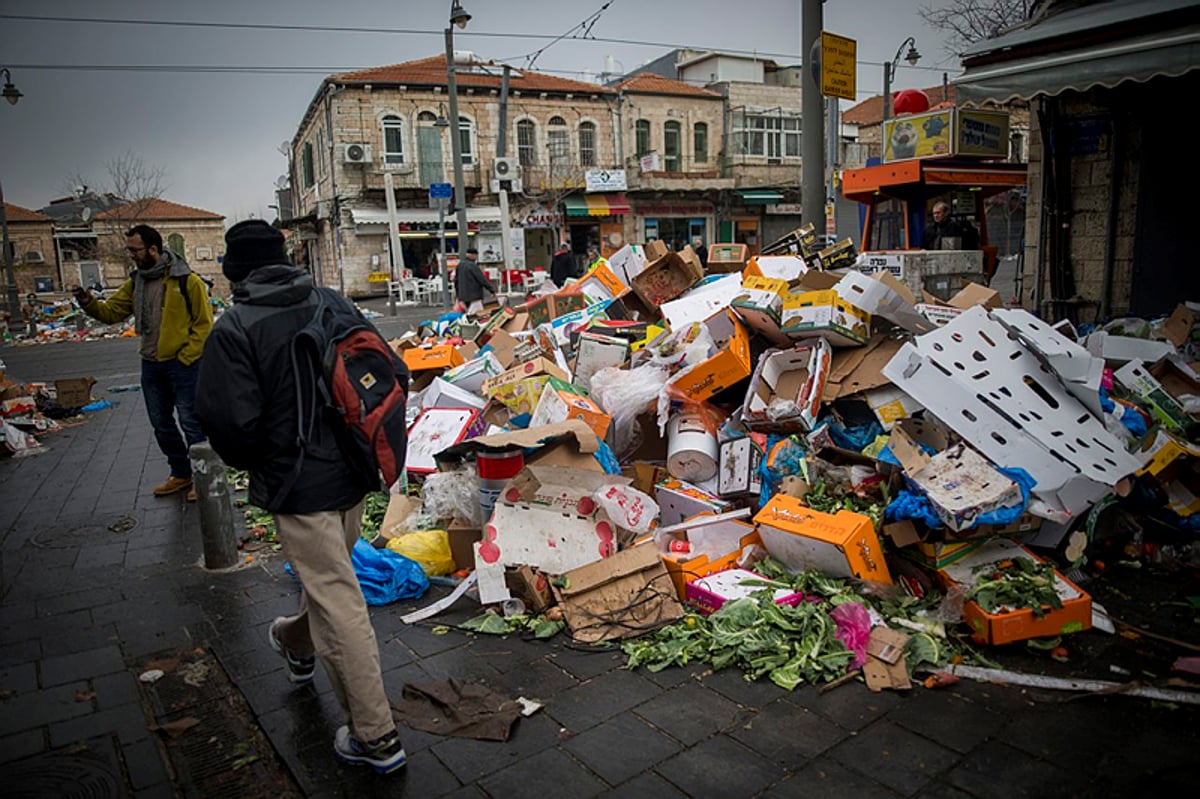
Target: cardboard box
786,388
961,486
1017,624
436,356
668,275
826,314
550,307
1175,464
435,430
1080,371
890,405
729,363
601,284
883,295
625,595
709,592
560,402
400,508
678,500
974,294
838,256
531,587
860,369
75,392
566,326
715,543
502,346
1138,379
1123,349
441,394
471,374
739,460
537,366
841,545
1180,325
726,257
628,262
522,396
940,315
781,267
595,352
702,301
463,536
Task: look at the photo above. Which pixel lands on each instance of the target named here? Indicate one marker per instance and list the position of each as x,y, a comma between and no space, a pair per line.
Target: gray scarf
139,291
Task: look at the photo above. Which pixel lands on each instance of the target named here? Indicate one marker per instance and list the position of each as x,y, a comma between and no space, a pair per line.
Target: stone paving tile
548,773
940,790
144,763
10,613
689,714
22,744
81,665
539,681
469,759
127,722
115,690
424,775
899,759
621,748
506,653
100,556
78,600
720,767
18,652
732,684
422,641
669,678
642,786
581,708
998,770
459,664
467,792
950,718
788,735
827,779
79,640
586,664
852,706
18,679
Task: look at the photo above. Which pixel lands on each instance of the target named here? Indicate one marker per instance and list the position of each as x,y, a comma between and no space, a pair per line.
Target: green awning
613,204
760,196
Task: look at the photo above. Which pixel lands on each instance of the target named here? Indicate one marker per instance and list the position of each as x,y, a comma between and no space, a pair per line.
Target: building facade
196,234
31,237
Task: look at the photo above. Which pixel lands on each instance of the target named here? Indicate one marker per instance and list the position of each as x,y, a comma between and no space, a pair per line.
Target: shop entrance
675,232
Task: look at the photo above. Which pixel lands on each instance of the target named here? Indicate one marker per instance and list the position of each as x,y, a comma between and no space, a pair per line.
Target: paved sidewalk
85,602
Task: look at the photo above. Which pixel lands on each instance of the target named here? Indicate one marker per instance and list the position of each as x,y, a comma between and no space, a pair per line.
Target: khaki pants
333,620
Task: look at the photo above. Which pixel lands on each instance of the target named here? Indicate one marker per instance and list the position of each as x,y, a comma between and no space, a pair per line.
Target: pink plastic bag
853,630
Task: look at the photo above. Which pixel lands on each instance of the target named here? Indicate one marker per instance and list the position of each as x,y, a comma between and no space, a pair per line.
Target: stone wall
203,244
33,237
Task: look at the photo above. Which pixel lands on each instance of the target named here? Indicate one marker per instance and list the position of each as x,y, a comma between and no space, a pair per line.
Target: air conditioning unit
34,257
513,186
356,153
504,169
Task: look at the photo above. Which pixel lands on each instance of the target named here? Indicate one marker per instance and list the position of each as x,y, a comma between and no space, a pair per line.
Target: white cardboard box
441,394
786,388
961,486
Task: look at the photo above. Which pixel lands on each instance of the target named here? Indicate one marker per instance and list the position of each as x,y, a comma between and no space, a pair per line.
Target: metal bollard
216,507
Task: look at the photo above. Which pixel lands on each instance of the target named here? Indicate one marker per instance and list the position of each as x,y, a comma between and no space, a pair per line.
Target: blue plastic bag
386,576
915,505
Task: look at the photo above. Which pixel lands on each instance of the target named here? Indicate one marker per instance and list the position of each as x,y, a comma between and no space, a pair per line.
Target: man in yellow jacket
173,316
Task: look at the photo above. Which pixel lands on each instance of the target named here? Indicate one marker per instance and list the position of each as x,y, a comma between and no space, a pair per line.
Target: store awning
611,204
1102,44
420,216
760,196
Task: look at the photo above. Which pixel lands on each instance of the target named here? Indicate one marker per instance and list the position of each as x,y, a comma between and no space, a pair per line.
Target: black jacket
246,398
562,267
951,228
470,283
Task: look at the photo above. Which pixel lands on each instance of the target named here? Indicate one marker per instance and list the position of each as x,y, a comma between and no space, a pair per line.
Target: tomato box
728,364
842,544
1016,624
561,401
710,592
435,430
702,545
824,313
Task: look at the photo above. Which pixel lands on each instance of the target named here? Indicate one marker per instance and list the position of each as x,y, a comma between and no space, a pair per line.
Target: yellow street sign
378,277
838,71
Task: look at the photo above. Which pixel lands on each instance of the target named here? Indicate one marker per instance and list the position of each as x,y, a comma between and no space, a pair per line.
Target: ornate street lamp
889,71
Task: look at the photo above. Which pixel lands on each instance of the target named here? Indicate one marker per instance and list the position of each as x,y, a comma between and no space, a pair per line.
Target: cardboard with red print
546,517
435,430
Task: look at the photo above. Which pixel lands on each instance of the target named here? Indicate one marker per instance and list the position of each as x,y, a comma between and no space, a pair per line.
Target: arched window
526,142
587,143
466,140
558,139
700,142
671,146
175,244
393,140
642,131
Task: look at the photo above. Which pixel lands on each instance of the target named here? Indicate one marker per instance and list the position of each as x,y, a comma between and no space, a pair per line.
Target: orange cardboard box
558,403
728,365
601,284
841,544
1018,624
440,356
684,567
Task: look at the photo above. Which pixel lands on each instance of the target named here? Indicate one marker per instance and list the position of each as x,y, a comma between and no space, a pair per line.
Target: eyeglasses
135,250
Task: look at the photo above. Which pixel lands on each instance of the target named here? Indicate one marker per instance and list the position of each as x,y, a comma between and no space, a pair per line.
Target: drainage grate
88,770
222,753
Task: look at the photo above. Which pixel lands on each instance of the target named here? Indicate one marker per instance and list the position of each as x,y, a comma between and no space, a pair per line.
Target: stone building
196,234
31,236
1106,230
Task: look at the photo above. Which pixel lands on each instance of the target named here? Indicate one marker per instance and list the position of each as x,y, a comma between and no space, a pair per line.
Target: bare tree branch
970,21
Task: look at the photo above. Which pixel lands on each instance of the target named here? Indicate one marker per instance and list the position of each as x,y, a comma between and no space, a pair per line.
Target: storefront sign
872,262
378,277
650,162
982,133
605,179
674,209
784,208
918,135
541,216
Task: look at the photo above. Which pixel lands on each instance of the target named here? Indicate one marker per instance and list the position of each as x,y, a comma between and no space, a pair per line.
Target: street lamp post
460,18
12,297
889,72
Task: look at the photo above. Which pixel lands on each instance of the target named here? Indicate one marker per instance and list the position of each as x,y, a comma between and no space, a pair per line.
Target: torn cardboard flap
886,667
883,295
1178,327
572,430
625,595
974,294
859,369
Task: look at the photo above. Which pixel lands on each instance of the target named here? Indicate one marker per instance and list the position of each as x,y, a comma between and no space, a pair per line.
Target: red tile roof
432,72
153,209
870,111
17,213
651,83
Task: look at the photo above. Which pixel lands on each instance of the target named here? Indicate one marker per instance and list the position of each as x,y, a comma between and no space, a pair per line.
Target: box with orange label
728,364
560,402
693,553
601,284
440,356
841,544
1008,624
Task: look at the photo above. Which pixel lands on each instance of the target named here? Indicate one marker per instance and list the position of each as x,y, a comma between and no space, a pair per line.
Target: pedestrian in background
562,265
248,404
471,284
701,250
172,314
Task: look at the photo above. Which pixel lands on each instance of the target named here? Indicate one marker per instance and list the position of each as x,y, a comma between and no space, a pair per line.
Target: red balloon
910,101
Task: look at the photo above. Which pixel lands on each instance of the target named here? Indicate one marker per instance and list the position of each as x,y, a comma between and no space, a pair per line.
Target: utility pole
460,191
501,147
812,147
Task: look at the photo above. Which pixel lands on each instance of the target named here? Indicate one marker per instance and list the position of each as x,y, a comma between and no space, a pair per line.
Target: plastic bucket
691,448
495,469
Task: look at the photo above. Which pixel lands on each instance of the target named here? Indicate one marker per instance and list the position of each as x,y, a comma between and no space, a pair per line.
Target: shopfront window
675,232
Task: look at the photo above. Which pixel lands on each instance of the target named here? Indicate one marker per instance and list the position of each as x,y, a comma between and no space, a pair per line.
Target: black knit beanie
249,245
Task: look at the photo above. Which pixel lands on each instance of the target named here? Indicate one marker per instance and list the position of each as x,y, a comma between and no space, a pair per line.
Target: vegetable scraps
1016,583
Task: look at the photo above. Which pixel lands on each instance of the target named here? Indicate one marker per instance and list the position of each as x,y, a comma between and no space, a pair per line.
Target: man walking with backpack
173,316
258,406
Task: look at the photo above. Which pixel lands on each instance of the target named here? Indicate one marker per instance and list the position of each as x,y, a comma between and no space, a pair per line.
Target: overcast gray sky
217,133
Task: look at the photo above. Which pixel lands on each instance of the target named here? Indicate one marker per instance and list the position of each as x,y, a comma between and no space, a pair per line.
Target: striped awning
760,196
612,204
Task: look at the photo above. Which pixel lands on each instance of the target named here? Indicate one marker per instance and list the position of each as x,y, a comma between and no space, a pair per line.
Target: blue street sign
440,191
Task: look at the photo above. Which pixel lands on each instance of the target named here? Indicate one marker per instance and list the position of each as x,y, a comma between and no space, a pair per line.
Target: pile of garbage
29,411
788,464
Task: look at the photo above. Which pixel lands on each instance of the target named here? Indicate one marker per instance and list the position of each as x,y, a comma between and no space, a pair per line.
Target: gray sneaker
300,669
385,754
